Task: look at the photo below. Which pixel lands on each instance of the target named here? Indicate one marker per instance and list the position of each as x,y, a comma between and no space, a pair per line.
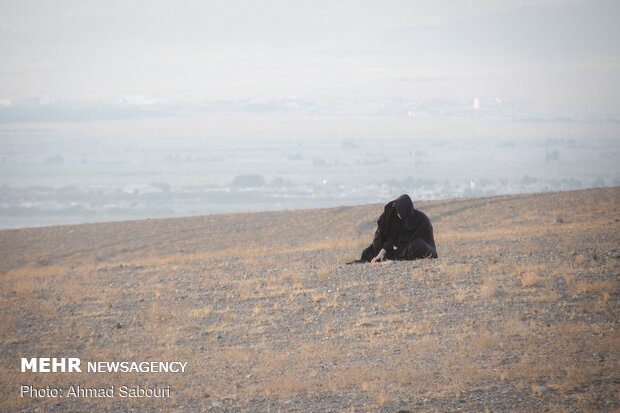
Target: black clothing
404,232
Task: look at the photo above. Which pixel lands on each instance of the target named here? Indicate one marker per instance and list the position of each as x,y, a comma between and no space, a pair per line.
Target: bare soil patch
520,312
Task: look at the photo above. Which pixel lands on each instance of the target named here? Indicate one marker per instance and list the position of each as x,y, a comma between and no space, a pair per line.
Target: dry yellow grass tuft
603,288
530,279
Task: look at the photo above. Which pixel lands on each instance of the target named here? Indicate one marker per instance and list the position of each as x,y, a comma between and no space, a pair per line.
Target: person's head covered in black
403,206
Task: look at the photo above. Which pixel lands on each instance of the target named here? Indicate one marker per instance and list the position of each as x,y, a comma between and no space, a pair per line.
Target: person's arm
383,238
388,244
382,233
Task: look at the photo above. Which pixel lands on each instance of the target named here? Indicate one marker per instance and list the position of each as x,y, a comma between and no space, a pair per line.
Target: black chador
403,232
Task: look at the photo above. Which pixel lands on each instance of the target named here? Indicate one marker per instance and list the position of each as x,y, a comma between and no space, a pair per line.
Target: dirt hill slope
520,312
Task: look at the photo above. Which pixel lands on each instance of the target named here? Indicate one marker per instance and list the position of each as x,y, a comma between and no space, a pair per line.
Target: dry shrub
290,384
235,356
382,398
461,295
603,288
248,288
575,378
497,267
536,390
26,286
200,312
324,273
29,279
162,313
355,376
530,279
515,326
426,344
421,328
33,271
491,288
8,322
581,261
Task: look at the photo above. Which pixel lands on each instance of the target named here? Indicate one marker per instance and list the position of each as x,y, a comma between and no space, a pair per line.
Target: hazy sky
562,54
101,94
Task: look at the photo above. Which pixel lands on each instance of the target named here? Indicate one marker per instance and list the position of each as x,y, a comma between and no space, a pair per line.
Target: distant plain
54,174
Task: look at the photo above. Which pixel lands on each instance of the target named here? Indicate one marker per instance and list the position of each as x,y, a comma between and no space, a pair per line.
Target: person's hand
380,256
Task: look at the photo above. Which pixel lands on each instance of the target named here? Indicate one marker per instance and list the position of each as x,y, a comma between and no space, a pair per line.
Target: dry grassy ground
519,313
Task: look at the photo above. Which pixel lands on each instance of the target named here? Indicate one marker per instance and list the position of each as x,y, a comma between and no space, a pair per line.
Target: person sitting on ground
403,233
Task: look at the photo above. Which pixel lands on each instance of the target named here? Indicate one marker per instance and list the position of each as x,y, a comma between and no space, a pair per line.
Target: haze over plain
120,110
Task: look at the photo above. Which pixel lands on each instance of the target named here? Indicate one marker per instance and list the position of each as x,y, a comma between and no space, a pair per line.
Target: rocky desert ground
519,313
